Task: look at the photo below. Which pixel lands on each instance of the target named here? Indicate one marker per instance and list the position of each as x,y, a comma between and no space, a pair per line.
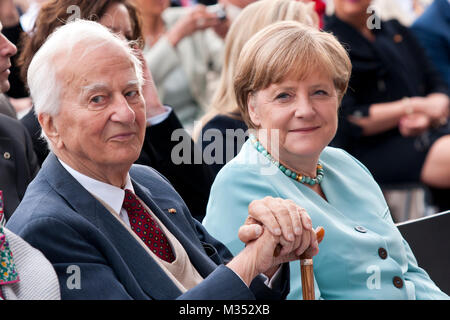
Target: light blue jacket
356,219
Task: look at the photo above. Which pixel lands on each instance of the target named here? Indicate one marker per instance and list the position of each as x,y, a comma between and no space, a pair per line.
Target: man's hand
280,217
258,256
273,222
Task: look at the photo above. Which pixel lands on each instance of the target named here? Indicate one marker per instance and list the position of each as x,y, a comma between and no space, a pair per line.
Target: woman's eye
321,93
283,96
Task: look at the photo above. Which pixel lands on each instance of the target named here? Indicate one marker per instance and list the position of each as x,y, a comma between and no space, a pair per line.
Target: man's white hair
45,89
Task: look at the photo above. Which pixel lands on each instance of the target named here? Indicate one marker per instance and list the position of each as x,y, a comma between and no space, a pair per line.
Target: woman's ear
253,110
51,131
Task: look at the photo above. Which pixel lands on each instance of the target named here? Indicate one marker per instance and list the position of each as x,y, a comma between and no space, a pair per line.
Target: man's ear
253,111
48,126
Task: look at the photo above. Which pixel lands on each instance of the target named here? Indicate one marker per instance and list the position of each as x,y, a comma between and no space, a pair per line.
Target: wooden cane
306,269
307,272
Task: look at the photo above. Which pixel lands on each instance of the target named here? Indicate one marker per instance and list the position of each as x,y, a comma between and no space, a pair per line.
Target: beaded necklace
291,174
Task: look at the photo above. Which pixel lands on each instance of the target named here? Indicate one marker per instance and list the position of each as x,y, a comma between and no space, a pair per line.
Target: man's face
101,123
7,50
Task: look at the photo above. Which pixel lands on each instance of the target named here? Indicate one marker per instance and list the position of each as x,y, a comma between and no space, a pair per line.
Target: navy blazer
72,228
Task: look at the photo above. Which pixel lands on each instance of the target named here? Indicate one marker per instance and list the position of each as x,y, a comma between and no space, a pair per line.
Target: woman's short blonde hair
288,50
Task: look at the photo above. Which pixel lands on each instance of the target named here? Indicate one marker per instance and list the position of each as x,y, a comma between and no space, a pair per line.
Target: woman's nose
304,108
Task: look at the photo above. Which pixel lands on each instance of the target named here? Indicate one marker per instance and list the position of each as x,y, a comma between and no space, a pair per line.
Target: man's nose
7,48
122,111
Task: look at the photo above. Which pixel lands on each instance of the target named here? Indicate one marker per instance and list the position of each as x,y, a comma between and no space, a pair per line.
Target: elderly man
114,230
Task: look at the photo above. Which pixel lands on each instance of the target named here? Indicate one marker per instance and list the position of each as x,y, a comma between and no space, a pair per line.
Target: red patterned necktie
146,227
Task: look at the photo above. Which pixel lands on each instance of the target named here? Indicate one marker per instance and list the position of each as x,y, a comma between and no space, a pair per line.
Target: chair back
429,239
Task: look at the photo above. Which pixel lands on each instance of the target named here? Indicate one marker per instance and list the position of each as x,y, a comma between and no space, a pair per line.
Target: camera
219,10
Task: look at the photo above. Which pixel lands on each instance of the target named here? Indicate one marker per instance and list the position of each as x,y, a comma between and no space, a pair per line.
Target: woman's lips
305,130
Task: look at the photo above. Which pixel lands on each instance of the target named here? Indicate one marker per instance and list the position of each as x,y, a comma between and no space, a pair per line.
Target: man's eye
98,99
132,94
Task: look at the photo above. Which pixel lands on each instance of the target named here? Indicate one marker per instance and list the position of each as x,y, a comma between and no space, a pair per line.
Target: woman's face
302,112
117,19
351,9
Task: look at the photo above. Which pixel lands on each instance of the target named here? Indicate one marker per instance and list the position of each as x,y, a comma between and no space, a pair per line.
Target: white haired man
114,230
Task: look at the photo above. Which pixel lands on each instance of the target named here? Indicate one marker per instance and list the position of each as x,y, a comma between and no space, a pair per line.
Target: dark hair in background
56,13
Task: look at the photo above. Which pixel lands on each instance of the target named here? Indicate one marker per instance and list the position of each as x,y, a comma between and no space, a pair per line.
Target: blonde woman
293,110
223,122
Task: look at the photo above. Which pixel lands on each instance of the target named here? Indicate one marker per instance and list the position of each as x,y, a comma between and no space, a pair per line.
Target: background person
394,119
182,46
431,29
18,162
24,272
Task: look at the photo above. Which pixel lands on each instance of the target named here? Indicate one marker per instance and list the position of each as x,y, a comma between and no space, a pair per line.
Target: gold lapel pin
398,38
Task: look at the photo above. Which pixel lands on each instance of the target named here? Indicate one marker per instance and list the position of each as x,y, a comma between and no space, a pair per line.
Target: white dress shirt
111,195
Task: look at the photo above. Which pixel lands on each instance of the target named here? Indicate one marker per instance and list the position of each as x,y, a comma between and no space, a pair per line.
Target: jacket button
382,253
360,229
172,210
7,155
398,282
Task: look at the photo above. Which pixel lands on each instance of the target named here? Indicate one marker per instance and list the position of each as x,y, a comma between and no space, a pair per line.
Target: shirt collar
111,195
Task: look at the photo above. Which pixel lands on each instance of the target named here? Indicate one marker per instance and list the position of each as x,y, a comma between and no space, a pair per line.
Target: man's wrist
269,273
243,268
